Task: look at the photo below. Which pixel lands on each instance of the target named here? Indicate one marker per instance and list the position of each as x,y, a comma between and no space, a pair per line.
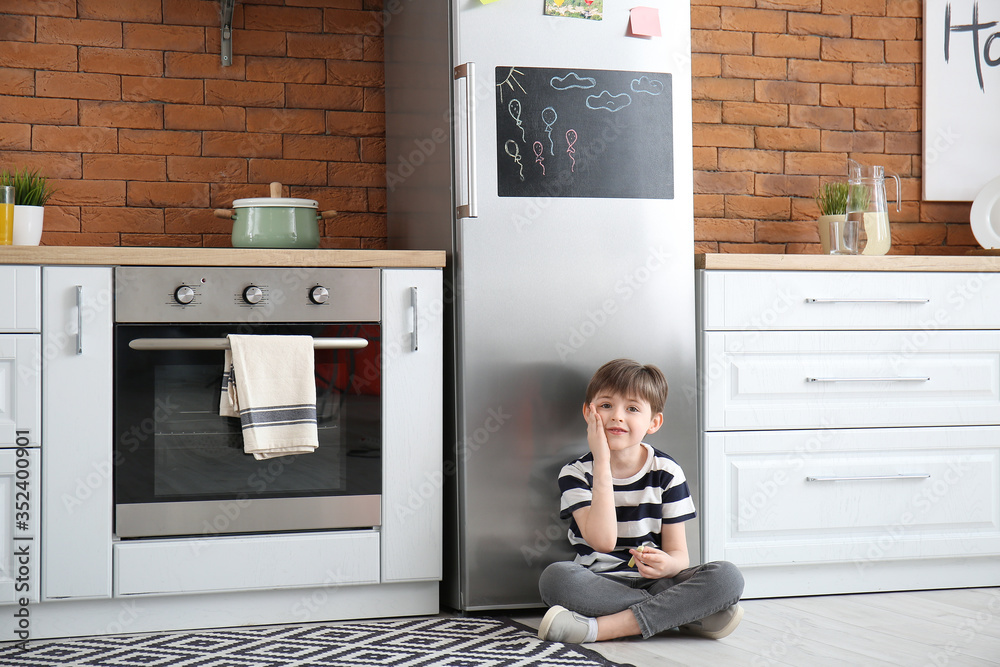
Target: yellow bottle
6,215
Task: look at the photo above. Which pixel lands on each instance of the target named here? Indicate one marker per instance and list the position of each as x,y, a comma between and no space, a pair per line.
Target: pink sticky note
644,22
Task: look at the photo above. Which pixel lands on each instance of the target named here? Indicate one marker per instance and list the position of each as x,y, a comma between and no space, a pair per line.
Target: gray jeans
658,604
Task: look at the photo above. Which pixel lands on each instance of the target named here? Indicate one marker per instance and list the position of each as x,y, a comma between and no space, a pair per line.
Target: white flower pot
28,224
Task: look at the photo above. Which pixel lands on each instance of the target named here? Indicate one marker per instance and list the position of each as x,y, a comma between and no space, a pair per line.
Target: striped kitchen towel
268,382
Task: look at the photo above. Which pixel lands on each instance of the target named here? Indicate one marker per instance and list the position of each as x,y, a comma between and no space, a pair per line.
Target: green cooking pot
275,222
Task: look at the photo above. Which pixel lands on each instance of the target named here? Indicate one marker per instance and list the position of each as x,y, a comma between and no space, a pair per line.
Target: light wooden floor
940,628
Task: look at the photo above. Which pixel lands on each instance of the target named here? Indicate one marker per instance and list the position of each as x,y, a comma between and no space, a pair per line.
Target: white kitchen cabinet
412,477
20,388
856,496
850,428
20,310
84,580
849,300
20,436
76,447
198,565
806,379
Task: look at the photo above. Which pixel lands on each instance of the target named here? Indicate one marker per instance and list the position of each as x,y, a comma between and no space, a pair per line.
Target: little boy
627,503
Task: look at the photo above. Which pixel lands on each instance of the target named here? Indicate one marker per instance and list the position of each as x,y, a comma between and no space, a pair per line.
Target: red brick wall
785,91
125,105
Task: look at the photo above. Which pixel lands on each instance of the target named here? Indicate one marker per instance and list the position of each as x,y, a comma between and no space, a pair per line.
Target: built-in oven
180,467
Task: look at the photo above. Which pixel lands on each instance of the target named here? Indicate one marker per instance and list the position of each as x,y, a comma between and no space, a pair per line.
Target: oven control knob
253,294
319,294
184,295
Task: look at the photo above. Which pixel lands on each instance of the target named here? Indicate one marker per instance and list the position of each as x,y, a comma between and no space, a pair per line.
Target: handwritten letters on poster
961,98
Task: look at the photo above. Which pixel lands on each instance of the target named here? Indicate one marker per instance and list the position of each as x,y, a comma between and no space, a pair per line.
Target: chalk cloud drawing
572,80
549,117
608,101
511,148
646,85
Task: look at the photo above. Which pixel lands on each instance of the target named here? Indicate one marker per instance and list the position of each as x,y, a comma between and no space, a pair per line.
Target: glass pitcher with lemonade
6,215
867,208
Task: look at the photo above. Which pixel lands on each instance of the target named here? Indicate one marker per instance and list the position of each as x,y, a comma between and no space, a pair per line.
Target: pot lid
275,201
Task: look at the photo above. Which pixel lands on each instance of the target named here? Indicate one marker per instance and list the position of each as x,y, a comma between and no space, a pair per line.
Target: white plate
985,215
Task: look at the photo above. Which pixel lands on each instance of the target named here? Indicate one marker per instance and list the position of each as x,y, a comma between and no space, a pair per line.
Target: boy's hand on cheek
596,437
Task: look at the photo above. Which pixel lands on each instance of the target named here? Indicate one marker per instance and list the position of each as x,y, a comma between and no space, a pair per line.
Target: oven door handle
223,344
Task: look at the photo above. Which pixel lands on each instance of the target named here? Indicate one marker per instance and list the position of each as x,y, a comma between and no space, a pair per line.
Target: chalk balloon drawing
549,117
539,160
514,108
570,142
514,151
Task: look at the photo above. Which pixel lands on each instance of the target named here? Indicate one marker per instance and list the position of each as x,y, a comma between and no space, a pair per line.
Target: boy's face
627,420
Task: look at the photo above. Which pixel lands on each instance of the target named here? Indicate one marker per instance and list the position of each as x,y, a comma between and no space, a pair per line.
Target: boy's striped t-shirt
655,495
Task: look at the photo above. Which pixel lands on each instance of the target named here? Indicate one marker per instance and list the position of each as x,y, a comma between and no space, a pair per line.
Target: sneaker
717,625
562,625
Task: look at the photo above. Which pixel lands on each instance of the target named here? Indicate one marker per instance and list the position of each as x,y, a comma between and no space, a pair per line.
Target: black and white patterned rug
423,642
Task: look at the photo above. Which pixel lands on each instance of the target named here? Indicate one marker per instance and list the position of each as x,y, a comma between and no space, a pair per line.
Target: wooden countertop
742,262
124,256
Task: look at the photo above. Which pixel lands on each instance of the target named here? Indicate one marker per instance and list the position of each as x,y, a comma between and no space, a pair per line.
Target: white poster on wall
961,98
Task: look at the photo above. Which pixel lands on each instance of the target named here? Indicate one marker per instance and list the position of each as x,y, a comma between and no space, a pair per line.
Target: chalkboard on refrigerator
584,133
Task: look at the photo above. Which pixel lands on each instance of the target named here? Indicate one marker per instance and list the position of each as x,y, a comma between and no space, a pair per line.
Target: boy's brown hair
630,378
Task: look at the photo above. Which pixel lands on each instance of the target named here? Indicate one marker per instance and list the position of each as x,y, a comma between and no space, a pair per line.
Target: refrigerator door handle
467,71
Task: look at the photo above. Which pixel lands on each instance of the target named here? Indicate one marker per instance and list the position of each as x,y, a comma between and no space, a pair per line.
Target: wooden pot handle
224,213
326,215
275,189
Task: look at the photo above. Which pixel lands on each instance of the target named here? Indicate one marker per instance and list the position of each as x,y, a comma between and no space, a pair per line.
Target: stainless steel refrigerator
551,156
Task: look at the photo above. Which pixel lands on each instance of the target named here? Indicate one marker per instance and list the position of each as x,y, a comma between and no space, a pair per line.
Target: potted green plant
832,202
31,191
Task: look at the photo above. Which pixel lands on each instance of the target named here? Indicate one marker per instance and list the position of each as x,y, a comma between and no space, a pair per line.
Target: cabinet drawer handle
812,300
79,319
876,379
416,318
857,478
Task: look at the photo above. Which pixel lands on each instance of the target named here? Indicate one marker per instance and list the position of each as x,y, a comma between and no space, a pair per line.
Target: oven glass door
176,456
